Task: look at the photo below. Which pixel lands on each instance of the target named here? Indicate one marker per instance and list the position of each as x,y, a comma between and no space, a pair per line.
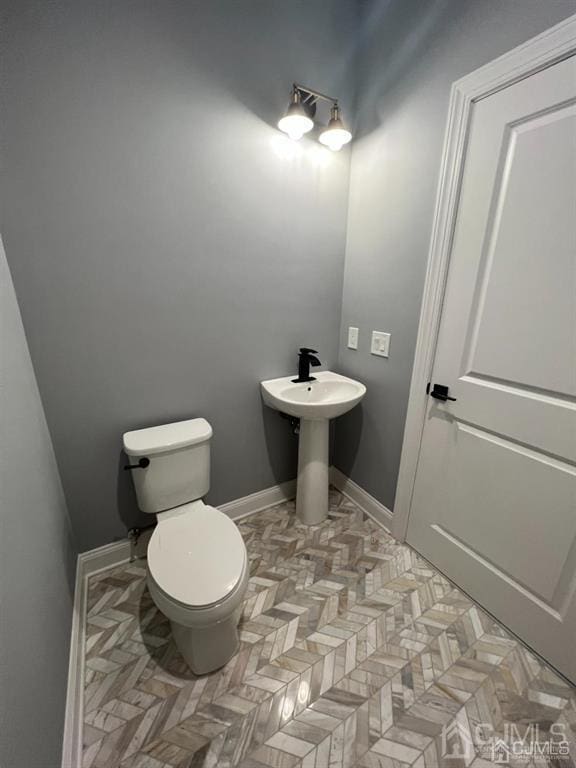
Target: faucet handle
307,351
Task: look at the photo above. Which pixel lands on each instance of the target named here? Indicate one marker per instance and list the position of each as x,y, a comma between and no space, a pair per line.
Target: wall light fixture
296,122
298,119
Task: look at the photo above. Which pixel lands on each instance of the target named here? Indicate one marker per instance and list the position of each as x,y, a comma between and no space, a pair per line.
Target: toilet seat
196,556
200,617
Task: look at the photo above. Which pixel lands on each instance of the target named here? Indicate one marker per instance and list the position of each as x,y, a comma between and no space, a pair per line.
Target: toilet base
206,649
206,636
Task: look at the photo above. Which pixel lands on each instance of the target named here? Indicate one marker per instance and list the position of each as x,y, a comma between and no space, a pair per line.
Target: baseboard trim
373,508
73,716
109,556
260,500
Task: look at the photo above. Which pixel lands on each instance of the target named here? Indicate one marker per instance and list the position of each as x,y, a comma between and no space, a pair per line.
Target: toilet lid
196,554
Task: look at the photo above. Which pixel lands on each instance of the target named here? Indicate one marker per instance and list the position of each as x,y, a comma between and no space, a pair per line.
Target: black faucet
306,358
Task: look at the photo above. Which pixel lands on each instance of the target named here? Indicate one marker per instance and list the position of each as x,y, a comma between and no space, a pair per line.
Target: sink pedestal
314,402
312,483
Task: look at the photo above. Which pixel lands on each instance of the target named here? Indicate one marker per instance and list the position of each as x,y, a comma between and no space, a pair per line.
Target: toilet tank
179,468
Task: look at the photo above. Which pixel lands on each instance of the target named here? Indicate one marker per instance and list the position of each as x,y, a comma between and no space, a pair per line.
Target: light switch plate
380,343
352,338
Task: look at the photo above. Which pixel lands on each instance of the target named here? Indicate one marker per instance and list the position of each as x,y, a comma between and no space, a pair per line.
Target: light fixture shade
335,135
295,122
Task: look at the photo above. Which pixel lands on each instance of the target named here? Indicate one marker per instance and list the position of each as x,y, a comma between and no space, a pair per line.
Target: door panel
532,551
530,237
494,502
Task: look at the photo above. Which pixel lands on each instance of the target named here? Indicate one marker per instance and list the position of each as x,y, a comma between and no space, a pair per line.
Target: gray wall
167,252
36,560
411,52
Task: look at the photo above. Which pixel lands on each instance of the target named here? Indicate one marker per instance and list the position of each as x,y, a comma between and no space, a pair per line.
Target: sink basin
329,396
314,403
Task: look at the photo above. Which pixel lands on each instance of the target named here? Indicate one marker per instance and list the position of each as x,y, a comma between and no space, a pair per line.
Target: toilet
197,561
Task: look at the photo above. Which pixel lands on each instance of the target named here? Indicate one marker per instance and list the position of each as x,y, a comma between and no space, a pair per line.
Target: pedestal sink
314,403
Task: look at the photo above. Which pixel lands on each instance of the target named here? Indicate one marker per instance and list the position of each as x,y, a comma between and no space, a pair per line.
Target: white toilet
197,561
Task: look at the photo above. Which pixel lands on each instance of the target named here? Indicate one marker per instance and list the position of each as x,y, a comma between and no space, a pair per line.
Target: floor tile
353,652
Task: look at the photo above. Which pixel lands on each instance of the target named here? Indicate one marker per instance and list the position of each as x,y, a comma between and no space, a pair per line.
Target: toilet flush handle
142,464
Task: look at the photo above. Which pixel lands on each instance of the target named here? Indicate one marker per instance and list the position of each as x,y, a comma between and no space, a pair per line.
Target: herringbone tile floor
354,651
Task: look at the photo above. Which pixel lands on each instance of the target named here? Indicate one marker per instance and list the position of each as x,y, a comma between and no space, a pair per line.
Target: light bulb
335,135
295,125
295,122
335,138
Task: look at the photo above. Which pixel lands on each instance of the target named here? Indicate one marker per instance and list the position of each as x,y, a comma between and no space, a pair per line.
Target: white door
494,501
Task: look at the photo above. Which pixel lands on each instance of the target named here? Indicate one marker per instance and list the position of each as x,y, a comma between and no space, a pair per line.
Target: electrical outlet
380,344
352,338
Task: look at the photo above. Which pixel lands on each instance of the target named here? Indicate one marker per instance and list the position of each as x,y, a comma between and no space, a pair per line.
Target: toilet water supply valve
293,421
142,464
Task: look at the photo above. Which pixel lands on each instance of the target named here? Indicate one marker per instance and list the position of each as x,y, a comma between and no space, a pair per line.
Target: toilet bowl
198,566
